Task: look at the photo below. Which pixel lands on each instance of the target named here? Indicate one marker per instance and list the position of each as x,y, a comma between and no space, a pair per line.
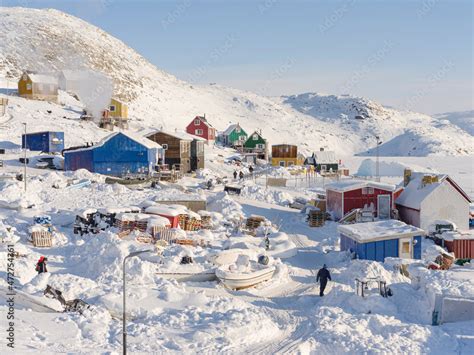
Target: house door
405,248
383,206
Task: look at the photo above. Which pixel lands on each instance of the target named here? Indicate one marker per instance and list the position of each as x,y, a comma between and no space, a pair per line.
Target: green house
255,143
234,136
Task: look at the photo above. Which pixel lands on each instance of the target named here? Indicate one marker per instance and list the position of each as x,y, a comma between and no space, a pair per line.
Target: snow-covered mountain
49,40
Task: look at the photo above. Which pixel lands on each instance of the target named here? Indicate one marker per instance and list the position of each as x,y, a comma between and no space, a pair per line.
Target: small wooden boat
238,280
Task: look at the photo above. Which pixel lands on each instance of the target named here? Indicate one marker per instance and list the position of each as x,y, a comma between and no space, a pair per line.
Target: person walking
41,265
323,277
241,175
235,174
251,170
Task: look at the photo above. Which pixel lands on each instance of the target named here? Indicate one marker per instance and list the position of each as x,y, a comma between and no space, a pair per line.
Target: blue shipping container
47,142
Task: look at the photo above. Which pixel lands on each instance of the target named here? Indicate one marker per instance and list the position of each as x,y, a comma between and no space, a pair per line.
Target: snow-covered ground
283,315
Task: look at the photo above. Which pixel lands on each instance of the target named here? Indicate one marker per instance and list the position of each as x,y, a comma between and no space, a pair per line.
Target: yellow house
118,109
36,86
285,155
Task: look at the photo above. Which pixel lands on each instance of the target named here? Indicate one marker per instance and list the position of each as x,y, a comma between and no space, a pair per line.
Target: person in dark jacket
235,174
251,169
241,175
323,277
41,265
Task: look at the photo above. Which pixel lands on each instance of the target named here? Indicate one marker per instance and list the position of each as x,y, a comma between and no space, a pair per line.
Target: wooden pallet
42,239
316,218
206,222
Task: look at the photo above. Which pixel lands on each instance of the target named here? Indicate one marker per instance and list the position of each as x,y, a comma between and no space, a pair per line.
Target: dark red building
346,195
200,127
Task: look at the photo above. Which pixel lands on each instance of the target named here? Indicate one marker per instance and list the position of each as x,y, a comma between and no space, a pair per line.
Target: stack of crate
182,220
206,220
317,218
192,224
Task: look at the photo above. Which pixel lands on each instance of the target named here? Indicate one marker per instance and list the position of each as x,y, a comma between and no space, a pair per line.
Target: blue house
381,239
117,154
47,142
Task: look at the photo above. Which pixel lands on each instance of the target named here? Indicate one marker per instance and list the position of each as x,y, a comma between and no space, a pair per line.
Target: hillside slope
49,40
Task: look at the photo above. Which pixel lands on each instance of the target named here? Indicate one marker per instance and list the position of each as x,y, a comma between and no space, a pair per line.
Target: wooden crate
192,224
182,220
124,233
145,238
167,235
316,218
42,239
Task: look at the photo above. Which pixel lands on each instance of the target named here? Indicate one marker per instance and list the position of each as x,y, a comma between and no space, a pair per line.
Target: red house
200,127
346,195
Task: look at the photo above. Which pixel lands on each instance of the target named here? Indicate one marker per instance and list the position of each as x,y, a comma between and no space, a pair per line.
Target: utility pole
377,162
24,159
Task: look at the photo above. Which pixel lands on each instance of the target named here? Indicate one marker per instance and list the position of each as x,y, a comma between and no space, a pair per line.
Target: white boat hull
188,276
238,281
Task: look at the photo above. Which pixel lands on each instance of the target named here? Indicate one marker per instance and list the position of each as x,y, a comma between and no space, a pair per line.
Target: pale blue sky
407,54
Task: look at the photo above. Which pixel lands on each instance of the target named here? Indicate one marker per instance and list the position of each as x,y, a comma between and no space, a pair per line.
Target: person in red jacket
41,265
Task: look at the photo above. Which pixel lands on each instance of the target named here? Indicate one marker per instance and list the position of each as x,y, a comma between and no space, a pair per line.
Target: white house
71,80
430,198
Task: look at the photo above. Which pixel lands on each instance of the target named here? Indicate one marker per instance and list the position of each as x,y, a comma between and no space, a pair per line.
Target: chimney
406,176
321,149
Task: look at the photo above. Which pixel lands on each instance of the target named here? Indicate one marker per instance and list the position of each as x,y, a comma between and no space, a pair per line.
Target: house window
290,163
260,146
112,108
324,168
198,132
197,122
367,191
242,138
255,137
28,86
282,163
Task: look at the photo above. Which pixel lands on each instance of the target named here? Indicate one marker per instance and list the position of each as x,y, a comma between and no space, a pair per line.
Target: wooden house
379,240
178,148
349,194
429,198
201,128
118,154
37,86
256,144
234,136
323,161
115,115
284,155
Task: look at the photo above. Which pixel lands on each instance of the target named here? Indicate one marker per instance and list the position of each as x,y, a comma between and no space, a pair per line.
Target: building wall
355,199
25,86
197,155
409,216
462,248
446,203
334,204
288,161
179,151
377,251
79,159
43,142
235,137
284,151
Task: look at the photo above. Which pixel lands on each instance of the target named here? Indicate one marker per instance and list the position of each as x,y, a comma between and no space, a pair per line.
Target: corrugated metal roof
177,134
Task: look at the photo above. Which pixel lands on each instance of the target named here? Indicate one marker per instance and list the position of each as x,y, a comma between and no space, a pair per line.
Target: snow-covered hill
49,40
462,119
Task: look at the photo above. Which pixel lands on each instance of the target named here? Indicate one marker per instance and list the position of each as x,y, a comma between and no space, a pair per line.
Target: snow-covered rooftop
229,129
353,184
177,134
415,192
325,157
458,235
43,78
380,230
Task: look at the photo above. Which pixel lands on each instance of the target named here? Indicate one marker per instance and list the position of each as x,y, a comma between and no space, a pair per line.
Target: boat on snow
201,276
244,273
